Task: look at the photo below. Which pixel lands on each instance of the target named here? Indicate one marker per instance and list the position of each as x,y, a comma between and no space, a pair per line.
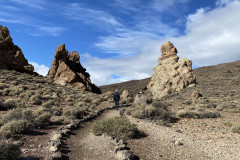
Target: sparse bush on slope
234,126
116,127
42,120
15,127
155,111
192,112
74,112
9,151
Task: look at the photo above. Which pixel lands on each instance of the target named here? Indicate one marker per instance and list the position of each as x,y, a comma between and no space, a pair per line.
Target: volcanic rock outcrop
11,56
170,75
66,68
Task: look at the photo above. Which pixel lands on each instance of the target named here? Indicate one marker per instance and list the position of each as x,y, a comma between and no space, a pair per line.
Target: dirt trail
201,140
161,143
85,146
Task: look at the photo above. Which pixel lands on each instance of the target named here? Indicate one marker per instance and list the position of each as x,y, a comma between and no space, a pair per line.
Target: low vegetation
234,126
156,111
192,112
33,102
116,127
9,151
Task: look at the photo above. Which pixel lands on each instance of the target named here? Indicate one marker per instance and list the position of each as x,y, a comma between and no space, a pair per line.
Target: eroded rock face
66,68
170,75
11,56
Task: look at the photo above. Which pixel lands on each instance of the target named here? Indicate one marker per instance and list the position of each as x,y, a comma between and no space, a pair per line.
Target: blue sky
120,40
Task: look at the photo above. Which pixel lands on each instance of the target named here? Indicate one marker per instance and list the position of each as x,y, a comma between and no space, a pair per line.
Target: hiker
116,98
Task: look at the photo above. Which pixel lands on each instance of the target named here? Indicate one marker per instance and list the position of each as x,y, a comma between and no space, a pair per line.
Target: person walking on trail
116,98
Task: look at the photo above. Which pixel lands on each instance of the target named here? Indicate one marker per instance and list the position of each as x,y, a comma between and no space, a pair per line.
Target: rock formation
170,75
11,55
66,68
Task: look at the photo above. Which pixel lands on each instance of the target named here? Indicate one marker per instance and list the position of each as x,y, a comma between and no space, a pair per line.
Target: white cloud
211,37
46,30
79,12
35,4
40,69
128,68
222,3
192,18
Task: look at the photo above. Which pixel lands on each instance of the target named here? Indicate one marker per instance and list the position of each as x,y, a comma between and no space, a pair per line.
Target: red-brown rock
66,68
11,56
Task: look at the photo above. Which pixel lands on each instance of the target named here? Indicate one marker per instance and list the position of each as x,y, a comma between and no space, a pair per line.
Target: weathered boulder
11,56
168,50
143,99
170,75
125,94
66,68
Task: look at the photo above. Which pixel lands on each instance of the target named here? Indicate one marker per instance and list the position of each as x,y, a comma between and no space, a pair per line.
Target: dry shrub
74,112
36,99
48,104
9,104
5,92
42,110
234,126
87,100
116,127
42,120
3,86
155,111
192,112
14,127
229,107
57,111
80,104
9,151
18,114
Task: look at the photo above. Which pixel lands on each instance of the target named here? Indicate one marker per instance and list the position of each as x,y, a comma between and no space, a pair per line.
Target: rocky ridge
12,57
66,68
170,75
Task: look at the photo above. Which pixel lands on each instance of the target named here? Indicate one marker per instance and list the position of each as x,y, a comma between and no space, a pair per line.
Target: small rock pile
170,75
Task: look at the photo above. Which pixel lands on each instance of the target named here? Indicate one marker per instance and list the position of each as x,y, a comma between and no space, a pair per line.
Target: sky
120,40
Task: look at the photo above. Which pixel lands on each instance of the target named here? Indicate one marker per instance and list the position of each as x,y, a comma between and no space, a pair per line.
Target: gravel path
85,146
198,139
187,139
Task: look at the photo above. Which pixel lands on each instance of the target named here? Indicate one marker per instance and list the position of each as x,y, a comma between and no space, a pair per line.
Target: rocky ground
188,138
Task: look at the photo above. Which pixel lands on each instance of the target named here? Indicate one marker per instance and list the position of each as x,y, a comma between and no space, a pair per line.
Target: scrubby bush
14,127
116,127
18,114
234,126
48,104
87,100
35,99
155,111
74,112
229,107
192,112
9,151
57,111
42,120
9,104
